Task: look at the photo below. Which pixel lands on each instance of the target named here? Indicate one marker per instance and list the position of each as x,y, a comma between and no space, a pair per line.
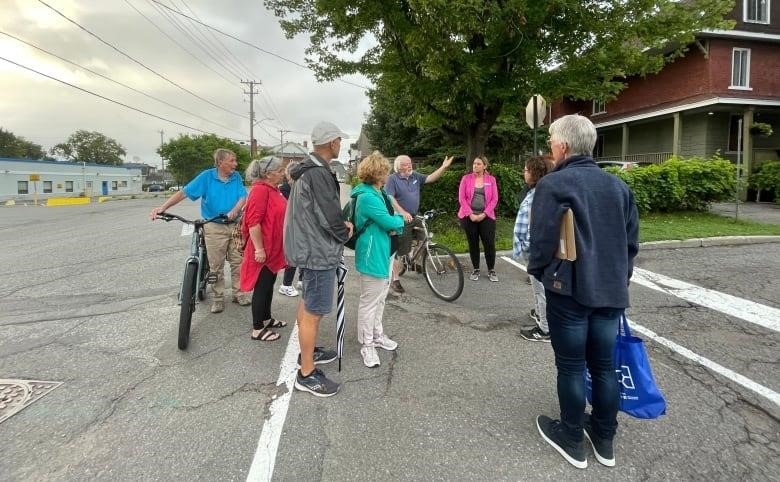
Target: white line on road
262,468
750,311
757,311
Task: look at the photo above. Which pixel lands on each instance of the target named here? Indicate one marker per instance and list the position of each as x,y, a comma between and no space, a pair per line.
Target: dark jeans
581,335
289,276
262,297
486,231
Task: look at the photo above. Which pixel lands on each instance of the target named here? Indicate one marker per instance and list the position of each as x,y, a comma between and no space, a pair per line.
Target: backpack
348,213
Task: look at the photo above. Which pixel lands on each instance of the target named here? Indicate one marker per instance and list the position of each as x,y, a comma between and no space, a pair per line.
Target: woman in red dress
263,228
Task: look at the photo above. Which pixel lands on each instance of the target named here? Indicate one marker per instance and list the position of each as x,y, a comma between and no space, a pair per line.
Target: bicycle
196,272
441,268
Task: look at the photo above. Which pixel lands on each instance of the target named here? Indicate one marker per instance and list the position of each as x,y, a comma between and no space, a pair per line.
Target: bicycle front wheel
443,272
188,287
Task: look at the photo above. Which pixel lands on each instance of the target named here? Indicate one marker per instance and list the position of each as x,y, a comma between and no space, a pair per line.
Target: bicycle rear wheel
187,303
443,272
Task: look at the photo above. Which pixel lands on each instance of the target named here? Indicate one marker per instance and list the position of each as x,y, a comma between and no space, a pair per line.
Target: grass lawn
652,227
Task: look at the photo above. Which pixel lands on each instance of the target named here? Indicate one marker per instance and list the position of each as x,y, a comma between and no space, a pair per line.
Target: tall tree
188,155
90,147
458,63
14,146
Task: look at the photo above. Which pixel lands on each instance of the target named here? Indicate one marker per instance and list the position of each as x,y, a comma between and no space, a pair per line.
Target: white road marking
262,468
754,313
750,311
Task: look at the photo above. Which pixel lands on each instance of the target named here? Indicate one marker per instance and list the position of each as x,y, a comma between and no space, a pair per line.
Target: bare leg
308,324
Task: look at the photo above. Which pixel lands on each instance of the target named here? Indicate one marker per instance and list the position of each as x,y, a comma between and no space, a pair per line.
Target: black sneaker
397,288
602,448
552,433
316,383
321,356
474,275
534,316
535,334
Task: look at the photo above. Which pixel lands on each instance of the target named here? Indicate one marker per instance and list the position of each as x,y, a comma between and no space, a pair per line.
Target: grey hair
259,168
577,131
222,154
398,160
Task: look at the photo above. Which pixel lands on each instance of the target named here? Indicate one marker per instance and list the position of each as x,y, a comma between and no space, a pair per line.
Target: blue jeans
581,335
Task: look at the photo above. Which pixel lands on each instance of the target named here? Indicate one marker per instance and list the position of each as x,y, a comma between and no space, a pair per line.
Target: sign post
33,179
535,112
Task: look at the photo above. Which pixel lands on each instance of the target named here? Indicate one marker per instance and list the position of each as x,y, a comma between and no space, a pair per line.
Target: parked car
156,188
623,165
173,188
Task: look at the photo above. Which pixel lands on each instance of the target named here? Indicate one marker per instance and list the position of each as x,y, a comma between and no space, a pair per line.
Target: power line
139,62
106,98
250,44
119,83
177,43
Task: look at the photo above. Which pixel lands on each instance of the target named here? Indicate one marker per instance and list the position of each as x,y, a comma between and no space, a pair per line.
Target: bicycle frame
197,255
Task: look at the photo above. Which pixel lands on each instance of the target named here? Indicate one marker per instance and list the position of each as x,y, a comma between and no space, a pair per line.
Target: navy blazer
606,229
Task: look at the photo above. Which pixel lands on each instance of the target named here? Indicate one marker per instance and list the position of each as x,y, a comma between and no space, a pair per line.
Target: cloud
47,112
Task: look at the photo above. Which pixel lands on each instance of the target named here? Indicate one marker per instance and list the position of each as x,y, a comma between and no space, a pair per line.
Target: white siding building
23,179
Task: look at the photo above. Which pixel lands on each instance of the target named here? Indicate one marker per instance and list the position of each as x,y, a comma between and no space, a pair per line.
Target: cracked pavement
91,302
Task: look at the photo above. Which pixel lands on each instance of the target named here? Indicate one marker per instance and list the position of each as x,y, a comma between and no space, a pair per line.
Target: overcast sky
46,112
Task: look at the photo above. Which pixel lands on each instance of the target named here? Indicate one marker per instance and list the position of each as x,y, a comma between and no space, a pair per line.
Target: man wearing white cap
314,237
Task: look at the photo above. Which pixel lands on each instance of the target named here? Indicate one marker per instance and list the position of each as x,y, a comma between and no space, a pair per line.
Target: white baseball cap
325,132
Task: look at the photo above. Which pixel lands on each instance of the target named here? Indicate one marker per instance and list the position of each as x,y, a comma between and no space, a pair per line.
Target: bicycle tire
403,261
443,272
187,303
204,276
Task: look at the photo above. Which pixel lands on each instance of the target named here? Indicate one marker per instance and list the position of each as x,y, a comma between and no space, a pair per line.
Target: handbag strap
623,328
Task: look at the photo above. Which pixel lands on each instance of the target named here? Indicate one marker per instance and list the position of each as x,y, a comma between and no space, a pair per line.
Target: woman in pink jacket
478,197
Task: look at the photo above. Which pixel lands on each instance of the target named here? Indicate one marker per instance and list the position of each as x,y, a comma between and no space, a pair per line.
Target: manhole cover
18,394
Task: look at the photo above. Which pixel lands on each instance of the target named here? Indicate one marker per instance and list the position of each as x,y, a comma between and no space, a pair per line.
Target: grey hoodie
314,229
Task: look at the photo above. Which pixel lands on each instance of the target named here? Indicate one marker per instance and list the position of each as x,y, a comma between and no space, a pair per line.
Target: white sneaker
386,343
288,291
370,356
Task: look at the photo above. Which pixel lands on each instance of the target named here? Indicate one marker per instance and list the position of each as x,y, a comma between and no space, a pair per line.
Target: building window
757,11
22,187
89,185
114,185
122,183
740,69
68,186
46,186
599,106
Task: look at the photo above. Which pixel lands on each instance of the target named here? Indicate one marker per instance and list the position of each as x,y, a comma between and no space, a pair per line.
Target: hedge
675,185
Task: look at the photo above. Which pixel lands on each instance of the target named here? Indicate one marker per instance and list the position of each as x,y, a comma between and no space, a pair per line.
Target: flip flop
274,323
266,335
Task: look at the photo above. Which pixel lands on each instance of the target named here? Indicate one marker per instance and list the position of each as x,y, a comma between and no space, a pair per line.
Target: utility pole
282,132
251,84
162,160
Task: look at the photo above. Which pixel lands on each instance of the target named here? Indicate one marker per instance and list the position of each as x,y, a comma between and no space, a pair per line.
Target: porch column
676,135
747,141
624,144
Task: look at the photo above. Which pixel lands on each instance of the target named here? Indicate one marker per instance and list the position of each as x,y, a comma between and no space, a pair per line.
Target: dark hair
537,166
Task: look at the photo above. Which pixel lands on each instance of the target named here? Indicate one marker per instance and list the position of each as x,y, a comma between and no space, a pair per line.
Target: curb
708,242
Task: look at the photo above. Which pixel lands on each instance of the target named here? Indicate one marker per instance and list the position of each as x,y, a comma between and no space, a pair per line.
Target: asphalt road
88,298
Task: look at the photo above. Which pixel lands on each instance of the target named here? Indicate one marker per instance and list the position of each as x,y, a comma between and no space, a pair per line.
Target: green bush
681,184
767,178
443,194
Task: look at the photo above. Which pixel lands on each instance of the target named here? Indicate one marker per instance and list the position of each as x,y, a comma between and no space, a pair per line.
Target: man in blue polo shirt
221,191
404,187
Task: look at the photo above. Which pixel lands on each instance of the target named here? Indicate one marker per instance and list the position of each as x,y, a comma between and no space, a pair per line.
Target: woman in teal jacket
374,214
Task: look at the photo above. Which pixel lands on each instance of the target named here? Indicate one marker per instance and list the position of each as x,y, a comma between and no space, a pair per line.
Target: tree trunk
478,131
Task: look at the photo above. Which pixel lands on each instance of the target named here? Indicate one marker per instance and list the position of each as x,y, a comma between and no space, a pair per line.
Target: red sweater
265,206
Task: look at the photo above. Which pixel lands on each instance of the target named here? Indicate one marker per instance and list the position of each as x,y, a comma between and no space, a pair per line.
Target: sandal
266,335
274,323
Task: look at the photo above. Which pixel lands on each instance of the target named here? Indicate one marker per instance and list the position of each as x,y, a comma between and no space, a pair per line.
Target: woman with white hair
263,230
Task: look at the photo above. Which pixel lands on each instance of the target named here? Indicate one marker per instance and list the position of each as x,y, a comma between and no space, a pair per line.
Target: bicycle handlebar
197,222
429,214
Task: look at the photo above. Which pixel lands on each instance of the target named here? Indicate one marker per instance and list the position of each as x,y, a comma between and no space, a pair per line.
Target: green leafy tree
14,146
187,155
90,146
457,64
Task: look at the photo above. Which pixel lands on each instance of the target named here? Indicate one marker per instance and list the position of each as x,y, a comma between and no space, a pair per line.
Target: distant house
290,151
695,105
23,179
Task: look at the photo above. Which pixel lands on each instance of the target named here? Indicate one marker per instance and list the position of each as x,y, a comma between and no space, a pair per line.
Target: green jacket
372,250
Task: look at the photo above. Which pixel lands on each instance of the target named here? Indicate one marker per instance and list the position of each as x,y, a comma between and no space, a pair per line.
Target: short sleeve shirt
406,190
217,196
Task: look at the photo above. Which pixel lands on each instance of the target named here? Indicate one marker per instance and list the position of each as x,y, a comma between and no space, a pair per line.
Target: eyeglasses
267,164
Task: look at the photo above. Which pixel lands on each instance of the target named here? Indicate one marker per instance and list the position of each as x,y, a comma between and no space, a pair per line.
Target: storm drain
18,394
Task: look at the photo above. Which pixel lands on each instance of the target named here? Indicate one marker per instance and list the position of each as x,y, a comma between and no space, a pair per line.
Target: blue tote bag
639,394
